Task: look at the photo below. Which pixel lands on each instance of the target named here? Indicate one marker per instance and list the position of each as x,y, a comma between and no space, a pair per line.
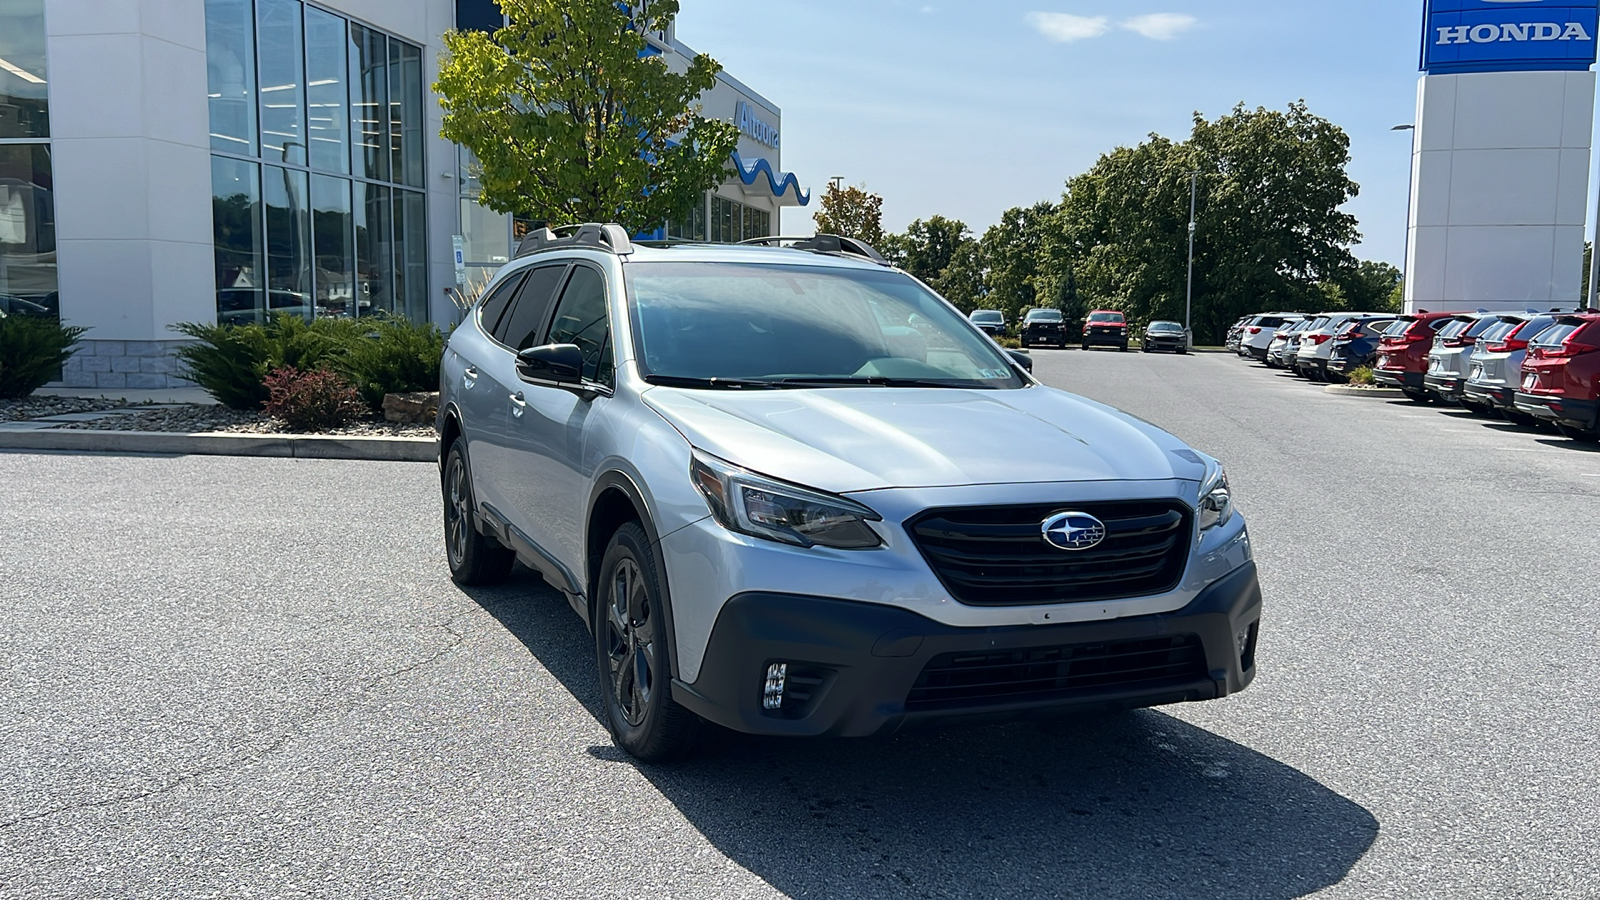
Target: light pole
1188,300
1411,186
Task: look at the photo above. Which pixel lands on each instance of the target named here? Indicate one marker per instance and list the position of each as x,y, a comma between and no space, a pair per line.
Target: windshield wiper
713,384
877,381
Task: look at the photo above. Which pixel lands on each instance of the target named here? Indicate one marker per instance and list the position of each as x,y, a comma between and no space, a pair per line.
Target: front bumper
1108,339
1583,415
1398,379
1173,344
860,669
1498,396
1054,336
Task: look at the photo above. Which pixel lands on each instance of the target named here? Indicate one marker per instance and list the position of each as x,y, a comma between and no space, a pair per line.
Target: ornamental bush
315,400
32,352
231,362
393,356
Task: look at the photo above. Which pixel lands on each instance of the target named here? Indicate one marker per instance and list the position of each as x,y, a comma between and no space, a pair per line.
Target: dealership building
167,161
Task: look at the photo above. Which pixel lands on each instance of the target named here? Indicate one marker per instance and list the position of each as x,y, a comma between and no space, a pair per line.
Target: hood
860,439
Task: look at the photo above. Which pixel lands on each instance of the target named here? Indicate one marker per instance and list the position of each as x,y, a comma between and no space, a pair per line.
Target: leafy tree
1270,235
1371,286
852,212
962,282
1012,251
928,248
572,122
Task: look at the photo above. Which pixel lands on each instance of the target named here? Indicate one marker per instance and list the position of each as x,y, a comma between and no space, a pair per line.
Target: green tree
1013,252
1370,287
570,120
1271,234
928,248
852,212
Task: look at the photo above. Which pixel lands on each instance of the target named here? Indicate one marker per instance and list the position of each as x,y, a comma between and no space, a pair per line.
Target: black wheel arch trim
624,482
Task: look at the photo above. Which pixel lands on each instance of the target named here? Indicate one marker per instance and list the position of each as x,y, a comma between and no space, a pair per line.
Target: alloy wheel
631,645
457,510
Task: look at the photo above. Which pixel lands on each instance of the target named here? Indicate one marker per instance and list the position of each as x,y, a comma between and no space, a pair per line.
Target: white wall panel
1509,110
106,286
1504,187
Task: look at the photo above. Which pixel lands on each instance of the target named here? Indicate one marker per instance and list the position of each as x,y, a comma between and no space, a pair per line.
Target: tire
1022,343
1417,396
1123,349
475,558
634,654
1086,348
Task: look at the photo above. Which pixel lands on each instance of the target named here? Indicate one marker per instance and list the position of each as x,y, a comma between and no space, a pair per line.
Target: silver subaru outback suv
792,491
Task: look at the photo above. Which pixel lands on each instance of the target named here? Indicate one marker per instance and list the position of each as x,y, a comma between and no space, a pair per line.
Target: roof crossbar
831,244
590,236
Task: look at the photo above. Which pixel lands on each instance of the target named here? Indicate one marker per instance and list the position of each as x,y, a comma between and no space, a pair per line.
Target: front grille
997,556
956,680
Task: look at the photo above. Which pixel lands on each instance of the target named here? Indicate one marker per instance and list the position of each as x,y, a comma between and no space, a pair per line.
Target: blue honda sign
1509,36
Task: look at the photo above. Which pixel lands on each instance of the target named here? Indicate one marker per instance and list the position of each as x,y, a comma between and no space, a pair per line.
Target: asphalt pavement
253,678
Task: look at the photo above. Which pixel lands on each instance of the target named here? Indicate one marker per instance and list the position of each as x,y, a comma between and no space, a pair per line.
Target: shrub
231,362
395,356
1363,375
313,400
32,352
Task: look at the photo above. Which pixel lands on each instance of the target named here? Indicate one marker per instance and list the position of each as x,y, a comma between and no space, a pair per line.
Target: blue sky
967,108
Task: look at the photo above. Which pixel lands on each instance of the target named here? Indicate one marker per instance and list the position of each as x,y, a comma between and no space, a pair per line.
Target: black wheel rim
631,653
457,510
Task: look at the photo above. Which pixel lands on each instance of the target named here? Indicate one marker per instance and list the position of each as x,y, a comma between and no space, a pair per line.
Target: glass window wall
316,140
231,75
24,100
327,92
28,284
283,95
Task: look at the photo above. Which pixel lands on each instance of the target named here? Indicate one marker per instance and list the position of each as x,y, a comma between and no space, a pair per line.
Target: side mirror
1021,359
560,363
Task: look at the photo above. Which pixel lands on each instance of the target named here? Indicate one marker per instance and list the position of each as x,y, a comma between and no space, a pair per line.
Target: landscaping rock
411,409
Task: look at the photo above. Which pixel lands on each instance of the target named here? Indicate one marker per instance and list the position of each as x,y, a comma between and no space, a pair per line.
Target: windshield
1106,317
988,315
1045,315
735,326
1166,326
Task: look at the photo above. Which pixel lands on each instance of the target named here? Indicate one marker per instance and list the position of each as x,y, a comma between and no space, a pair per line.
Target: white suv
794,492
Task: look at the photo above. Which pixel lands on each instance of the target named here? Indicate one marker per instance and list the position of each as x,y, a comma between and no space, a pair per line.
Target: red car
1106,328
1403,353
1561,377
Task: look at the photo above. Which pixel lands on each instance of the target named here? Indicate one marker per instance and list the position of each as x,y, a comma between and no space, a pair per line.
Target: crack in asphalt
290,729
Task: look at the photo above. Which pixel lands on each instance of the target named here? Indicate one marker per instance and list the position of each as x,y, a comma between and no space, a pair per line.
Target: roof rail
590,236
831,244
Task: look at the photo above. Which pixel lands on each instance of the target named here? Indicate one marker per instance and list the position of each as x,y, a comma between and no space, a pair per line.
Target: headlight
752,504
1216,501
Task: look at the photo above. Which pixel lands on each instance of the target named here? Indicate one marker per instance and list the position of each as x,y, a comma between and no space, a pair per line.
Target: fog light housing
1245,642
772,693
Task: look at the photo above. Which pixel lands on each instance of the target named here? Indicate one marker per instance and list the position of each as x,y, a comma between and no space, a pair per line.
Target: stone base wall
125,364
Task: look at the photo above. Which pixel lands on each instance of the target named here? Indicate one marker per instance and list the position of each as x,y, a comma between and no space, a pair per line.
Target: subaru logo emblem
1073,531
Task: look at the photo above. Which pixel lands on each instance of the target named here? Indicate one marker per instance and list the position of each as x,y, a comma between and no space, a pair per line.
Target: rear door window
520,328
494,306
1270,322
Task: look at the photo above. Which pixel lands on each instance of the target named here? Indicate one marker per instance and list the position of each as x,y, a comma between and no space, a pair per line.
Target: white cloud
1161,26
1066,28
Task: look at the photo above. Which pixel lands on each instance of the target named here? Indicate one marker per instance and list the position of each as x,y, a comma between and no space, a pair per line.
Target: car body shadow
1139,804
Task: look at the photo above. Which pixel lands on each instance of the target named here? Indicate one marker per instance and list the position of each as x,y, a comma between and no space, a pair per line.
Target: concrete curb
281,446
1345,390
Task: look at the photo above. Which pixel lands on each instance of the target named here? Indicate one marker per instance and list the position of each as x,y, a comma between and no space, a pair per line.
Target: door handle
519,404
469,377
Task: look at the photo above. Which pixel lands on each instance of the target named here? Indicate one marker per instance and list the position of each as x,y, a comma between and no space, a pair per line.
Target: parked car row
1102,328
1531,367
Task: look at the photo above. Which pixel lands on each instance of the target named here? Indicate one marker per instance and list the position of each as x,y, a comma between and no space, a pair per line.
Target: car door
494,467
483,410
551,426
